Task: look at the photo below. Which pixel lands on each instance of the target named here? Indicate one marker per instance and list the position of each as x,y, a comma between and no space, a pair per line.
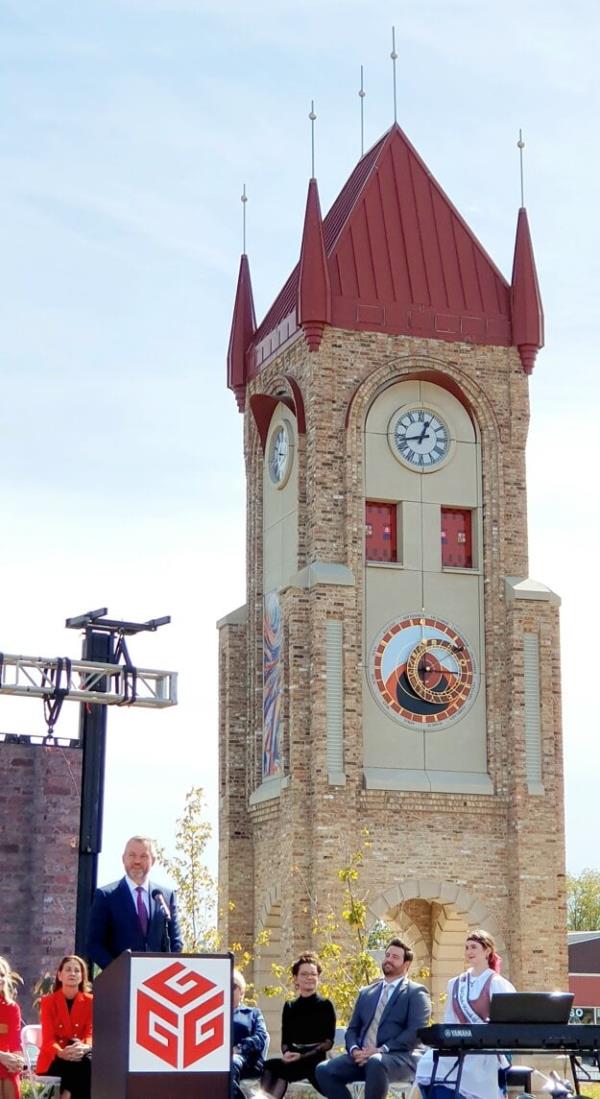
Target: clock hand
417,438
425,430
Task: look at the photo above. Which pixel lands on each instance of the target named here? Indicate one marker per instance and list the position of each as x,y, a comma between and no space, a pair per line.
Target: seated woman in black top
307,1031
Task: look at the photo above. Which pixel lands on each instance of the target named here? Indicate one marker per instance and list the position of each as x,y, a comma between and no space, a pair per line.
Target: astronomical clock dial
419,438
422,672
281,454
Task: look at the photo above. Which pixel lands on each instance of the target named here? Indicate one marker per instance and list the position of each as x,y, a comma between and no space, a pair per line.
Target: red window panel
380,532
457,539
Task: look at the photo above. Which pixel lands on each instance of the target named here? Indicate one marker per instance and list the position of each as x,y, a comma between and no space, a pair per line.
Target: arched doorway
434,916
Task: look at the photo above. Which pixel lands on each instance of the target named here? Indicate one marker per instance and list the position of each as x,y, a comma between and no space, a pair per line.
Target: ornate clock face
281,452
422,672
419,438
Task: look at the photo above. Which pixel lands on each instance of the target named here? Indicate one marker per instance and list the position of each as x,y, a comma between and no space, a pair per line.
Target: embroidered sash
471,1009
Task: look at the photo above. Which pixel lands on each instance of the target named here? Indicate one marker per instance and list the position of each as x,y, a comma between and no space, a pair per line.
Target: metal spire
394,57
362,93
312,117
520,147
243,200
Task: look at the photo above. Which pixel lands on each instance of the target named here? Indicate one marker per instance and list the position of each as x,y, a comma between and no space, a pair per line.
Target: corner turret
526,300
243,327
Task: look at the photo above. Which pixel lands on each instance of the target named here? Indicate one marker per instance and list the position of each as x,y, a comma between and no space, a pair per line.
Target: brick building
584,975
394,668
39,843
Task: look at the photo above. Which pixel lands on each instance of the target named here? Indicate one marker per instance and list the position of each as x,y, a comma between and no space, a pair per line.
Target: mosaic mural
272,686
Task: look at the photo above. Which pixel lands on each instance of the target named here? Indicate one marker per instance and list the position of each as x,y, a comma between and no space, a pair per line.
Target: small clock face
419,438
281,452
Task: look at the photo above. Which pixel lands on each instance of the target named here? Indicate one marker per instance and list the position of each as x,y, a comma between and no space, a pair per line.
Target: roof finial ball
520,147
362,93
394,57
243,200
312,117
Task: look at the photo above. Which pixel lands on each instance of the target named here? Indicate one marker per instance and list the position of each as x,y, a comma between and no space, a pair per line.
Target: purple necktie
141,911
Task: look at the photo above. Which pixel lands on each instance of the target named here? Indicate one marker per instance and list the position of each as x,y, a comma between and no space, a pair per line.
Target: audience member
250,1038
307,1031
381,1038
11,1059
66,1017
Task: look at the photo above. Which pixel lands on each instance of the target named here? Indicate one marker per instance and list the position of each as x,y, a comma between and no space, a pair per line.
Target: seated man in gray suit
381,1038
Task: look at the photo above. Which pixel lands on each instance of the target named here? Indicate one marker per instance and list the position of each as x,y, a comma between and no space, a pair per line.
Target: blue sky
128,128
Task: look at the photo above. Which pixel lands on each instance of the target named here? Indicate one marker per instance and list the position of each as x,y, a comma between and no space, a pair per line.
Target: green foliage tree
344,942
196,887
583,901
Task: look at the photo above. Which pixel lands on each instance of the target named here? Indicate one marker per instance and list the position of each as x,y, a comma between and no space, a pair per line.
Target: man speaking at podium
133,913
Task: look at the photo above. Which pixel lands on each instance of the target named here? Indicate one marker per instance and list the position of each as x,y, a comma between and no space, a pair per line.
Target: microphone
161,902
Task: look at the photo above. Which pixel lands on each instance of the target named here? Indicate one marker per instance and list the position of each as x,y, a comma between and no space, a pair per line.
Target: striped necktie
371,1035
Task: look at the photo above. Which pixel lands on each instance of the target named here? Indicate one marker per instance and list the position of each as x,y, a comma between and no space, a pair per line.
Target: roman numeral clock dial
419,438
281,454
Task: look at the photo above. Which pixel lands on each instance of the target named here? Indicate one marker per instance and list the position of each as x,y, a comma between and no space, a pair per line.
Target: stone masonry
471,860
39,829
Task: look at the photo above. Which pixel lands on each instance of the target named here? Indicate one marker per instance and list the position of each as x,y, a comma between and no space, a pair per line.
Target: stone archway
434,916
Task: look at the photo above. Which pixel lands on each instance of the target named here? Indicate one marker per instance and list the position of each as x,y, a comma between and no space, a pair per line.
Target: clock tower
394,668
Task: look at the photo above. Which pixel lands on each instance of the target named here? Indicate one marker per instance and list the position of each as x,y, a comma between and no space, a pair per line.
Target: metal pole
97,646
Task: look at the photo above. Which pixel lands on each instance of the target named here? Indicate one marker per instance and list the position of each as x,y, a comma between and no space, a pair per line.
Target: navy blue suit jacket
408,1009
114,925
250,1034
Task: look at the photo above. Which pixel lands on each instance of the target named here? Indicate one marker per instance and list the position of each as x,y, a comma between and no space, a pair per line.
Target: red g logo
179,1016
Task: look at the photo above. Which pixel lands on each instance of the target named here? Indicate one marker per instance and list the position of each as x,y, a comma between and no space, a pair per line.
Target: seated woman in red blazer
66,1017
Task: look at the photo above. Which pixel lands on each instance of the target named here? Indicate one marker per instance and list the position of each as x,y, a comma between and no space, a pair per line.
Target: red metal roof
314,290
401,259
527,311
243,327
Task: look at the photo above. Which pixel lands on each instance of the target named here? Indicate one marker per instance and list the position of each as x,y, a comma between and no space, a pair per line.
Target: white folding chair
43,1087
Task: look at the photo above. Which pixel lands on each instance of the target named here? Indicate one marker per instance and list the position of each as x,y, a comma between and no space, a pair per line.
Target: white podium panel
180,1014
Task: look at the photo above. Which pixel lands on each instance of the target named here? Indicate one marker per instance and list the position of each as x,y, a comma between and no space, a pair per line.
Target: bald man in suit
125,915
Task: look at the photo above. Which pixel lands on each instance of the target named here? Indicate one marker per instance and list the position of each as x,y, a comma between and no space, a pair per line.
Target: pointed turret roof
527,311
400,259
243,327
314,290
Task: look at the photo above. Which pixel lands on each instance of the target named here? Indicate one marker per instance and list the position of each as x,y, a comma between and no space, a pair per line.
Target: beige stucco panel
410,535
385,477
390,594
272,557
387,743
388,402
462,746
455,483
457,598
289,546
280,515
426,393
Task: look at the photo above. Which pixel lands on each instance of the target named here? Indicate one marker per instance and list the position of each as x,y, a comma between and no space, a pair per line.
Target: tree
196,887
345,945
583,901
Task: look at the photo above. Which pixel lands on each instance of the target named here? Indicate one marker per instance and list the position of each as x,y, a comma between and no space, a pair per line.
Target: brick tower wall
496,860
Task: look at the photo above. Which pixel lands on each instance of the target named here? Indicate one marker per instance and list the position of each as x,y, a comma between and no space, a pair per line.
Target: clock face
419,438
422,672
281,452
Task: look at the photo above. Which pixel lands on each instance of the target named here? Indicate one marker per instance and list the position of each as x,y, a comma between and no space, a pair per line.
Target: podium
162,1027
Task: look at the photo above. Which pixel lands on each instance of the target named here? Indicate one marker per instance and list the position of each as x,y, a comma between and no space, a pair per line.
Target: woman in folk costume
11,1058
468,1002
